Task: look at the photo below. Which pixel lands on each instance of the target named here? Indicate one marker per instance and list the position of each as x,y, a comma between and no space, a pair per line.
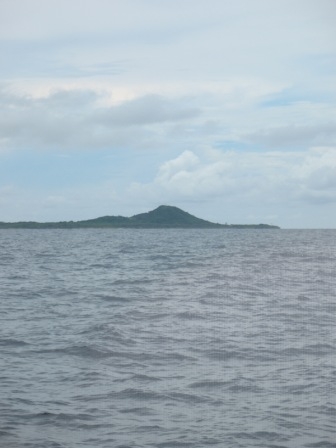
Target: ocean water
167,338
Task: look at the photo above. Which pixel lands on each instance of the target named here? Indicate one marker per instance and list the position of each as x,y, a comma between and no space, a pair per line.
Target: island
163,217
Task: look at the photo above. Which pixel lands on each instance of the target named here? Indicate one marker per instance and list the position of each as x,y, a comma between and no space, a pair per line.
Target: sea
167,338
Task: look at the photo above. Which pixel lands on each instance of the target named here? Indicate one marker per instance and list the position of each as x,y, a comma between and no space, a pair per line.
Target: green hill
167,216
164,216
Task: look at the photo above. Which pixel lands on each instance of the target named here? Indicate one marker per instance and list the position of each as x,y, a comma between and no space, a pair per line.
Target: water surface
167,338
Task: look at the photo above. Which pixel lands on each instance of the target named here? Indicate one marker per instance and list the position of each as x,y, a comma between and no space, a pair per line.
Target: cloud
91,119
317,176
188,176
139,42
74,119
295,136
271,177
149,109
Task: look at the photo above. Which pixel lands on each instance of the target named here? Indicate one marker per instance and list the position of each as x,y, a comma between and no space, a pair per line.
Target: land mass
163,217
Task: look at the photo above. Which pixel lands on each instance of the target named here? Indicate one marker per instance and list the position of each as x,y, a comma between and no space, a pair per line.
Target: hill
164,216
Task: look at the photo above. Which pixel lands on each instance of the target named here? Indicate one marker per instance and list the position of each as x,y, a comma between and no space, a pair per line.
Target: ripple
12,343
167,339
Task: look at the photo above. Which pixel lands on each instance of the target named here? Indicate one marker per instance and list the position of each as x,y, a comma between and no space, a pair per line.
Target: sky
226,109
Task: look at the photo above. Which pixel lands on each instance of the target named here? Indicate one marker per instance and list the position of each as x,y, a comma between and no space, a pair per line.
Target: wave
12,343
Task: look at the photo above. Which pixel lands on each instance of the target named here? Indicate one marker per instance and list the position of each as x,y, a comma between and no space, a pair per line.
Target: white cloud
272,177
186,175
184,162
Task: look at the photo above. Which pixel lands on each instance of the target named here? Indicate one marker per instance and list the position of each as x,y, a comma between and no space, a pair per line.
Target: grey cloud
323,178
148,109
295,136
317,196
67,100
319,187
74,119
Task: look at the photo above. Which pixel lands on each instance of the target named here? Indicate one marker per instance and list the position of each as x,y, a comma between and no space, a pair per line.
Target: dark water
167,338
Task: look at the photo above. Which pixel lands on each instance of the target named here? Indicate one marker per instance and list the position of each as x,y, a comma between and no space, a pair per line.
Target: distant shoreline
163,217
60,226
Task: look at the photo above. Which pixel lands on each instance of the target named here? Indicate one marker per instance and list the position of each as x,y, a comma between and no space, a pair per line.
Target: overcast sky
226,109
